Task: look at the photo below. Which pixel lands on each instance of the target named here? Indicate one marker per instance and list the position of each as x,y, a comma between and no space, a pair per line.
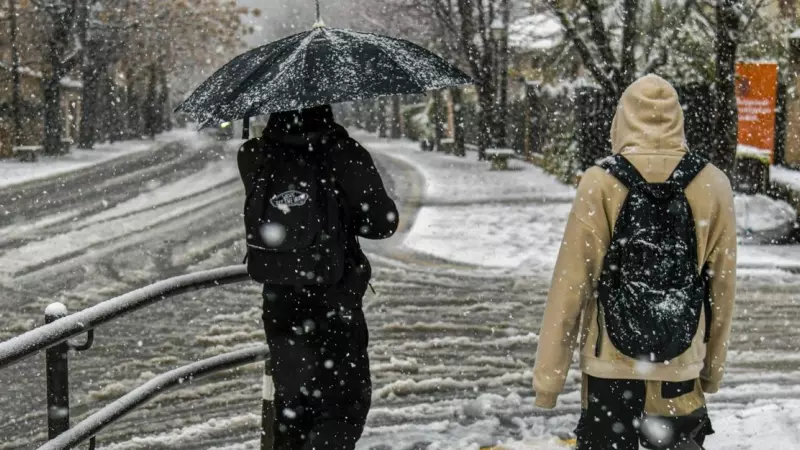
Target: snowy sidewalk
14,172
513,221
506,220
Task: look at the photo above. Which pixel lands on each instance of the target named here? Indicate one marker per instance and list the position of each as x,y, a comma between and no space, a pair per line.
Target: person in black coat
318,334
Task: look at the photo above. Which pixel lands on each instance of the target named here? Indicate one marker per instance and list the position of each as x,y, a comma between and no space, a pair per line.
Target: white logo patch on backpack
289,199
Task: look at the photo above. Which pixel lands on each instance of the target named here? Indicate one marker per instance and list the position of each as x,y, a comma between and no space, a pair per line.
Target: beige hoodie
648,130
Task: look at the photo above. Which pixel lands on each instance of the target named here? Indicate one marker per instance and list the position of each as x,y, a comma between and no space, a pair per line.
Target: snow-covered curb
14,172
761,219
788,177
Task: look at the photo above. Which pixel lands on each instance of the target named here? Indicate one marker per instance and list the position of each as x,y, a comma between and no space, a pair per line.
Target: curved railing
60,327
93,424
52,334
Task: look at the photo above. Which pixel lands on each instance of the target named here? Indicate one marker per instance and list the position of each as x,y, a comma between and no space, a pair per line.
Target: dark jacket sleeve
373,213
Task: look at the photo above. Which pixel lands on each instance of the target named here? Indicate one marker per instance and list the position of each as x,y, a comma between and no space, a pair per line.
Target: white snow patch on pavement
505,236
764,425
185,436
761,213
474,215
782,175
16,172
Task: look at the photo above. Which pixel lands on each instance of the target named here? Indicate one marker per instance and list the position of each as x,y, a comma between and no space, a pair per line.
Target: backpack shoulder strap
624,171
688,168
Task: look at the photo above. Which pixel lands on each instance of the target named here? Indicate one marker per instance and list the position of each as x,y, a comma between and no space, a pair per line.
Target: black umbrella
318,67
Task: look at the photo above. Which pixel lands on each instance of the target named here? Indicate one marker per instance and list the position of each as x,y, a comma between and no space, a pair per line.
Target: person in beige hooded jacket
648,130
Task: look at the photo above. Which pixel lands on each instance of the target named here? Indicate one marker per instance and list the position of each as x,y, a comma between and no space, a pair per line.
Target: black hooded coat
369,209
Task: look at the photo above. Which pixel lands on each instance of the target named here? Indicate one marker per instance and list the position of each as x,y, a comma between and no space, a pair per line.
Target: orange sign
756,96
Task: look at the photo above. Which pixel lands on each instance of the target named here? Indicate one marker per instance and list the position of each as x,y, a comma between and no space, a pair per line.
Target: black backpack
293,221
650,290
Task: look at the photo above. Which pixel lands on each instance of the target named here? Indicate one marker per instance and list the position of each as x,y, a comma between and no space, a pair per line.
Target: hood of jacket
649,117
306,127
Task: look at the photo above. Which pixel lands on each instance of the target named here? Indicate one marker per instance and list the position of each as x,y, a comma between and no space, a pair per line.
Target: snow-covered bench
499,157
27,153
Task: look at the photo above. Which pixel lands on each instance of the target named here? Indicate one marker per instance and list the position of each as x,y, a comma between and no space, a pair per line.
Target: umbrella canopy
318,67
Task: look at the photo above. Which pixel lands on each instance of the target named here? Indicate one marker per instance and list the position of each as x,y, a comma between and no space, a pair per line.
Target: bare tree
62,20
16,92
726,123
593,29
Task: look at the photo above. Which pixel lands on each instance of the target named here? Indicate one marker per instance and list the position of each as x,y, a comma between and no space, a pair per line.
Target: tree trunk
397,119
52,116
163,100
381,118
90,99
150,108
458,121
438,120
486,123
16,91
726,121
501,115
133,108
52,92
112,108
630,31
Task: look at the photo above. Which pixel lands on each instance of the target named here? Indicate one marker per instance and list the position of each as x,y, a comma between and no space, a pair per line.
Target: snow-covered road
451,344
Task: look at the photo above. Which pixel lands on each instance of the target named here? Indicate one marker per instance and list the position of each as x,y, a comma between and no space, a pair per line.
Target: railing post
57,363
268,410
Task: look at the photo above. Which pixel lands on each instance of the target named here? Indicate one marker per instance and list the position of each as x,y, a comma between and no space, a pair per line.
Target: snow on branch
583,50
664,43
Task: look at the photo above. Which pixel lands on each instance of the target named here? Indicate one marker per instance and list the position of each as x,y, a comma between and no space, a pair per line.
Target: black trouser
617,414
320,369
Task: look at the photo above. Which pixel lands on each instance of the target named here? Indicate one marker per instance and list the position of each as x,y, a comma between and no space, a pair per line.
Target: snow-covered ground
15,172
451,344
514,220
506,220
785,176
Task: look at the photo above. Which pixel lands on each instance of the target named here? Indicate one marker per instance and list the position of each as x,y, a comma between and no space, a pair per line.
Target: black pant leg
292,370
610,417
344,385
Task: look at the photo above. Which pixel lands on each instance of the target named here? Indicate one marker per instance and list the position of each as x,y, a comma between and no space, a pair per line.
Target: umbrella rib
410,75
254,109
257,72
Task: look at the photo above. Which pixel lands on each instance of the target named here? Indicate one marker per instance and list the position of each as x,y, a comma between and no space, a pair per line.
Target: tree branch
663,57
467,34
751,18
583,50
599,33
630,31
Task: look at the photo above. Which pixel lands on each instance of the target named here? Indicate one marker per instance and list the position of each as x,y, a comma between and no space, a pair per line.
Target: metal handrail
111,413
44,337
